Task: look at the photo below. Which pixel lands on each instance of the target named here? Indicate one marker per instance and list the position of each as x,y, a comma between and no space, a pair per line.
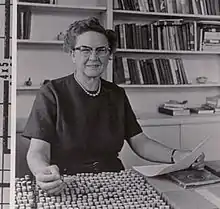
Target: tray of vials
107,190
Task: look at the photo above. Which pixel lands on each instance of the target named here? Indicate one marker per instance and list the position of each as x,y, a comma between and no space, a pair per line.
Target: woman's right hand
49,180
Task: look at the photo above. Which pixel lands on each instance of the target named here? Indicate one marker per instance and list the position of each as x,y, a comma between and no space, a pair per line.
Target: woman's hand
198,164
49,180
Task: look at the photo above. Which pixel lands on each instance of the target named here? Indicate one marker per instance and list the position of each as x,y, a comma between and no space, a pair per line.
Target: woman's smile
93,66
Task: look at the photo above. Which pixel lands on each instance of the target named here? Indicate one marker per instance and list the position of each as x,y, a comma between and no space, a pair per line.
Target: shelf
150,51
60,8
139,51
158,119
170,86
35,88
160,15
28,88
35,42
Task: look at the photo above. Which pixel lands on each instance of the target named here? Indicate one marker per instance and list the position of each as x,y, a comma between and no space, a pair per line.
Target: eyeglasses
87,51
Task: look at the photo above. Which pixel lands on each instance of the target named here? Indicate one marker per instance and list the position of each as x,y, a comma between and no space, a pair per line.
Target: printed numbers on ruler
5,69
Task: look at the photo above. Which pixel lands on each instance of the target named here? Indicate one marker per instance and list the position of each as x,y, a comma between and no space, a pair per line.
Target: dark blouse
81,129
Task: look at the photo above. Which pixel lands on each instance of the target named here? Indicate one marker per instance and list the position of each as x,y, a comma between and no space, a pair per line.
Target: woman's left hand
198,164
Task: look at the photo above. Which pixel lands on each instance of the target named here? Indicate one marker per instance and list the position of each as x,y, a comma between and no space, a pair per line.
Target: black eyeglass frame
79,48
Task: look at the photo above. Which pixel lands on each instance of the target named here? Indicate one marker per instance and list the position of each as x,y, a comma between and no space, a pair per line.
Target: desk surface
185,198
181,198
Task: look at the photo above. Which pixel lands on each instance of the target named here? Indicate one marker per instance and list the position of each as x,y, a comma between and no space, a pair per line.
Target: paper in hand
155,170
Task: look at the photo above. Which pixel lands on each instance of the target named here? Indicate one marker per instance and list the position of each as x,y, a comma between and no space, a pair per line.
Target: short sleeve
132,127
42,119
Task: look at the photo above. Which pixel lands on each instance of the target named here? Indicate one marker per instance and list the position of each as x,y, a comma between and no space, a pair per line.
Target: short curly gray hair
91,24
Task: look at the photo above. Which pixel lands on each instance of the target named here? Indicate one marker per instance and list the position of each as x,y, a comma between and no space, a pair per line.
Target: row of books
40,1
204,7
149,71
159,35
208,36
24,23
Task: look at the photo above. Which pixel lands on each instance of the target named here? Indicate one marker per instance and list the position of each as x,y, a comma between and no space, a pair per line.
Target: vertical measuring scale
5,74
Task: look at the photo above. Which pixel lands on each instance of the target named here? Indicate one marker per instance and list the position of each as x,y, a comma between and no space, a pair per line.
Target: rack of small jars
108,190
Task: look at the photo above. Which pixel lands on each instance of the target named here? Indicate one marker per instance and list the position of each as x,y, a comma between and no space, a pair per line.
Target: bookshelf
39,7
44,42
171,86
28,88
187,130
179,52
192,59
124,14
40,57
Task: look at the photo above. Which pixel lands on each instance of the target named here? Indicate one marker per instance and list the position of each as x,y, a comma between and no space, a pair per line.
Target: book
213,166
118,70
175,103
193,178
19,29
201,110
173,112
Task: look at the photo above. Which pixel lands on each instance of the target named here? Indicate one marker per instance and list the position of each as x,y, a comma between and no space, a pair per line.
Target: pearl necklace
88,93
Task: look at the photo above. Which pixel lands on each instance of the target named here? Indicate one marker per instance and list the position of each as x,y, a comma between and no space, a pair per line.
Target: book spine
122,36
178,6
134,36
151,6
19,27
148,71
116,4
135,70
136,5
118,71
141,5
153,73
117,31
137,63
156,71
141,62
126,70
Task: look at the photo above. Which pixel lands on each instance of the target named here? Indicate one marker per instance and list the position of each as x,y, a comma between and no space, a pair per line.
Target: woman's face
91,55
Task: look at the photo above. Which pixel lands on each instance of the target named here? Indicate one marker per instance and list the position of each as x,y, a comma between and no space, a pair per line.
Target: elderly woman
79,122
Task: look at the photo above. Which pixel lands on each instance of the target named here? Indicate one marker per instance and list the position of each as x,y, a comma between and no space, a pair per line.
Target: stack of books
174,108
203,109
214,102
209,36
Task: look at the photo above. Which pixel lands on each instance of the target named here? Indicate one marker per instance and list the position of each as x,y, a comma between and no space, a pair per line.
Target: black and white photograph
106,88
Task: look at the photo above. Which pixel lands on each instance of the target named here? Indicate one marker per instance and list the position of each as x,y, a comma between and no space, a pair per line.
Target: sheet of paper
155,170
